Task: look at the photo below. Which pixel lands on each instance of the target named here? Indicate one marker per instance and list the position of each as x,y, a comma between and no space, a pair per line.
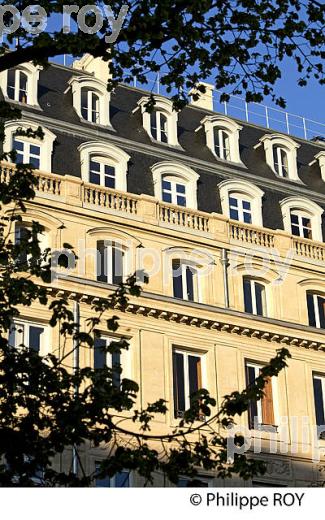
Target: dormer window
90,99
281,163
300,224
320,158
34,151
280,155
222,137
161,123
21,84
159,126
242,201
173,191
221,143
27,153
104,164
89,105
17,85
175,183
302,218
240,208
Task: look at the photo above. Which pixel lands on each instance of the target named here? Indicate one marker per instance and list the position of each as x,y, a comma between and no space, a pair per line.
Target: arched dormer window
20,84
280,155
242,201
175,183
90,99
302,217
104,164
37,152
222,137
161,123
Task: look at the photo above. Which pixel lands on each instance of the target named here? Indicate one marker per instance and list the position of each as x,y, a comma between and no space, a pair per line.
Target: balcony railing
147,209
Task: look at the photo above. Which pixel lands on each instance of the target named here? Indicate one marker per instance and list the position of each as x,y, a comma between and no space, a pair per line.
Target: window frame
245,191
321,378
300,225
239,197
308,208
29,324
180,174
32,72
227,125
184,266
201,383
269,141
91,96
162,106
109,276
175,195
112,480
253,283
99,88
318,319
259,403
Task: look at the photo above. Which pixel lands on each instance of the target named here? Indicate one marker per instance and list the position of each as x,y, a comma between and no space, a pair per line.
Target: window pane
167,197
35,150
194,373
177,279
163,128
319,401
252,410
246,204
321,311
117,265
99,353
248,296
34,162
247,218
101,261
190,284
116,364
153,124
181,201
178,382
95,166
101,482
166,185
311,310
18,145
259,293
180,188
234,214
11,84
294,218
233,202
94,178
35,334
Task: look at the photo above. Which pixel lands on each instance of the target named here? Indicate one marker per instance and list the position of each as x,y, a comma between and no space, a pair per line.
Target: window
242,201
316,310
320,160
174,192
302,217
21,234
104,164
17,85
260,412
254,297
89,105
102,174
195,482
120,479
159,126
280,155
185,281
175,183
319,396
27,153
221,143
21,84
28,334
91,99
240,209
222,137
187,379
110,262
161,123
102,358
37,152
300,225
280,158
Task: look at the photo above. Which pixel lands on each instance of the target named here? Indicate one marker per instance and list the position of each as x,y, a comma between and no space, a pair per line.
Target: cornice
192,317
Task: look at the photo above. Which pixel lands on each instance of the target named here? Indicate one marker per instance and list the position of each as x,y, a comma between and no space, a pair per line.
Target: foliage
240,44
46,407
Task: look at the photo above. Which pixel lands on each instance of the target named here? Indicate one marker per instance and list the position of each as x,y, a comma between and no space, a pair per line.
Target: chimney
206,99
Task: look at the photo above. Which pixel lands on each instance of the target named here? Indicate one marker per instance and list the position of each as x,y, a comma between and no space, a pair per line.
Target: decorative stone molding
285,142
209,123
